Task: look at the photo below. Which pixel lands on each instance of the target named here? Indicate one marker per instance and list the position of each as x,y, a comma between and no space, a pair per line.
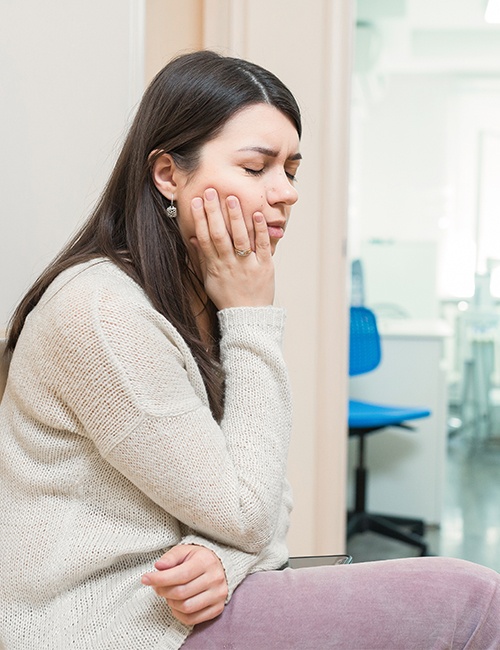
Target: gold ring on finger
244,253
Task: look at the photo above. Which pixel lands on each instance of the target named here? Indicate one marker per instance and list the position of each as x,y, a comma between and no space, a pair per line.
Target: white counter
413,328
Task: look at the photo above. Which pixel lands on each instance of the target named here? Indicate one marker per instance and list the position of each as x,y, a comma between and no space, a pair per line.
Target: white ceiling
432,36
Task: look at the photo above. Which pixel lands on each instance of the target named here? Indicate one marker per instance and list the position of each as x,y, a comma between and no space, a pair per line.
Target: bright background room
424,221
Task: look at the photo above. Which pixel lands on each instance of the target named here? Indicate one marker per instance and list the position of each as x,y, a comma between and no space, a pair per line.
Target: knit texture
109,455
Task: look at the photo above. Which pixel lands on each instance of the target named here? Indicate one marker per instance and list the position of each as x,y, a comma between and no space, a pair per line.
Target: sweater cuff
252,316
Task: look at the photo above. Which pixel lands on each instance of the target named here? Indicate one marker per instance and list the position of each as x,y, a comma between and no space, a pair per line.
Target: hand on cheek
230,278
233,205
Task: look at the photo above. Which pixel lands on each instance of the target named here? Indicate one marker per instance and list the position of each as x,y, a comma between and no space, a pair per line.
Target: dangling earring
172,210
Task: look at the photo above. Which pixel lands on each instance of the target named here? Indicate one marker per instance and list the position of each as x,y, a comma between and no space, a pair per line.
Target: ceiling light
492,14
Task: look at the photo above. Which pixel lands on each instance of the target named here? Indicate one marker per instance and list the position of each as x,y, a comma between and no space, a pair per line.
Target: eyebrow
272,153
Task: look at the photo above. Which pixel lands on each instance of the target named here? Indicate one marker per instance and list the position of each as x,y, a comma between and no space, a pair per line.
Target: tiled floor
471,518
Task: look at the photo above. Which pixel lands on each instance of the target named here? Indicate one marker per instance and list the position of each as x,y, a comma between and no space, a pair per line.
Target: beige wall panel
171,27
298,258
309,48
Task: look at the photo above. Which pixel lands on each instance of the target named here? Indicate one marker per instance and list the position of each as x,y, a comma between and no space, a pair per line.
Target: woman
146,419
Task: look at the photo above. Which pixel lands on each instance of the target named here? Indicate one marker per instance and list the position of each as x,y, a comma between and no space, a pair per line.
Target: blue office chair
366,418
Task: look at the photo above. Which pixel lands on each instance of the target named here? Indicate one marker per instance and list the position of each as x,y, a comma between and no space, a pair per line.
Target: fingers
210,226
206,591
204,244
236,265
241,231
215,236
262,242
206,614
173,557
179,585
193,582
179,566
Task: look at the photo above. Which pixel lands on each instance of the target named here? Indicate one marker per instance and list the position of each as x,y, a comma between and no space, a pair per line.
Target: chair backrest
357,284
364,341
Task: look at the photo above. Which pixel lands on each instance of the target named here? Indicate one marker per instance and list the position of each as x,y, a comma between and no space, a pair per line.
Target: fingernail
197,203
210,194
258,217
146,580
231,202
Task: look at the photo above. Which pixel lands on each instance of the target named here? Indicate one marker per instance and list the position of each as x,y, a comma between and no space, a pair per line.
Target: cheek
252,202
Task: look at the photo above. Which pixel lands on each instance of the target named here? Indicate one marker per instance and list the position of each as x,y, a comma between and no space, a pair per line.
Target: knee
477,586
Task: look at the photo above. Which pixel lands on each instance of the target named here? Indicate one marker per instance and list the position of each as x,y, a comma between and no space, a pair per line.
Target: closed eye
258,172
254,172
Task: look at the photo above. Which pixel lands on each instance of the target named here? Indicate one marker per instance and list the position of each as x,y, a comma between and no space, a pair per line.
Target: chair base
409,531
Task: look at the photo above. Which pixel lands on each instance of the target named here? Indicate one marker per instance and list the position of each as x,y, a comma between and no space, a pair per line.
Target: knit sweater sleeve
238,564
133,386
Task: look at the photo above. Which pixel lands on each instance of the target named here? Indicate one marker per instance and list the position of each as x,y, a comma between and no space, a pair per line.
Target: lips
275,231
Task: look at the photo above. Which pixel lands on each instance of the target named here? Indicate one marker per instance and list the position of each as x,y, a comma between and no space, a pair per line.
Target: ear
165,175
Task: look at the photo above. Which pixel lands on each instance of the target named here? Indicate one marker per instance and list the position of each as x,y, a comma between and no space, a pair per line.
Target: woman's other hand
192,581
231,279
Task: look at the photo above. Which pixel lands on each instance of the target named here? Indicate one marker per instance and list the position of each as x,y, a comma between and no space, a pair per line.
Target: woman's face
255,158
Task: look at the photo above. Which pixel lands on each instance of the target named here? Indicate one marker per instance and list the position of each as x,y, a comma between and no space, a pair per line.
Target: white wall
70,73
474,171
427,83
400,190
416,187
403,166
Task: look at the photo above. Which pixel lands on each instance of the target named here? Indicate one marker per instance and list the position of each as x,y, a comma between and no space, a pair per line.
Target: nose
281,190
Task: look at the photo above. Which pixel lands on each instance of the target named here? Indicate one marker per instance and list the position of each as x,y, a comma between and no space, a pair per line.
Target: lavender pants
412,604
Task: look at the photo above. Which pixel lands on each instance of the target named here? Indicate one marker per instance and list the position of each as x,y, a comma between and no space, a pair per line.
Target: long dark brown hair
186,105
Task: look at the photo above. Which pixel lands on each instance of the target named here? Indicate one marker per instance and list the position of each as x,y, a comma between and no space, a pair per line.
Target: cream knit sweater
109,455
